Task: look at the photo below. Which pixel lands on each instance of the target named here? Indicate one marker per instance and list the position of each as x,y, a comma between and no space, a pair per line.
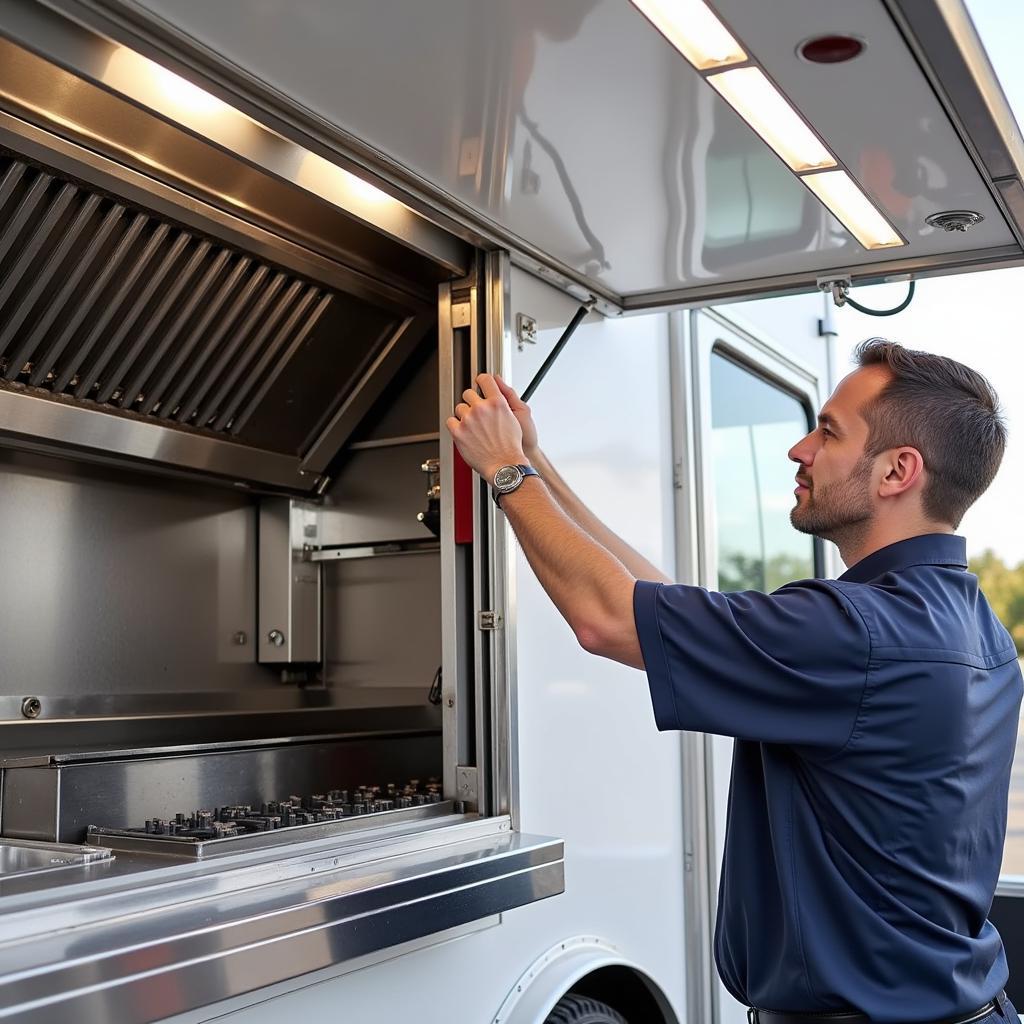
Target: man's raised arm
573,507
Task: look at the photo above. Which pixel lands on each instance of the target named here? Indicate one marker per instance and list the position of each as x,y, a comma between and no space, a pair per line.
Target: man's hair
948,412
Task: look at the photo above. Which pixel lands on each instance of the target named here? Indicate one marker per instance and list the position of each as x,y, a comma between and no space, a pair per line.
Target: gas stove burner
241,819
207,832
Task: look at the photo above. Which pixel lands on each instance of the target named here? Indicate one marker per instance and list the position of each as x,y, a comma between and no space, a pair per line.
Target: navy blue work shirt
875,718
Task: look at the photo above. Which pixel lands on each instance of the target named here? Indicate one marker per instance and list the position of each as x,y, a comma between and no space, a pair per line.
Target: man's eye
827,432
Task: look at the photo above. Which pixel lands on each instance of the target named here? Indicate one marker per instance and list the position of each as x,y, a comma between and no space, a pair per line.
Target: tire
573,1009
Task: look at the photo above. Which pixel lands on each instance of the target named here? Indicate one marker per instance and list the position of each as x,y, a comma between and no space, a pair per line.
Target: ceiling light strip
750,93
701,37
851,207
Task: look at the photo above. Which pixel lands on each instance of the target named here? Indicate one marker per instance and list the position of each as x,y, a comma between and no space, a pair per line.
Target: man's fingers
452,424
460,410
509,392
488,386
470,397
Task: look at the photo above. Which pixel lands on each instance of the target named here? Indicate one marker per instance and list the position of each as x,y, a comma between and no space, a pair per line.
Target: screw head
276,637
31,707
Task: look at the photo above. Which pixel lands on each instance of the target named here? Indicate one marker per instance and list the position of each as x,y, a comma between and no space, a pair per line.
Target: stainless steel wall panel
376,496
125,584
382,629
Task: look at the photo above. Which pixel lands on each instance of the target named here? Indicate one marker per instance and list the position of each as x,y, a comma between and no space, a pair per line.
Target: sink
26,856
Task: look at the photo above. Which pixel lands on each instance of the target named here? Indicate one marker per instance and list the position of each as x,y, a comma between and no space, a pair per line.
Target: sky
976,318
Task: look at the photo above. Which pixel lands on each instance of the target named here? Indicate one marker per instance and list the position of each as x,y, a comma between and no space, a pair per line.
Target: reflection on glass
754,424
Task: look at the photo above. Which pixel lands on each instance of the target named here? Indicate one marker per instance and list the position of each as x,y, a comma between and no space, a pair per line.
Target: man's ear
904,467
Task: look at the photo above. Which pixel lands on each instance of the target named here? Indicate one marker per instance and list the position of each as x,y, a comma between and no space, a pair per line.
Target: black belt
756,1016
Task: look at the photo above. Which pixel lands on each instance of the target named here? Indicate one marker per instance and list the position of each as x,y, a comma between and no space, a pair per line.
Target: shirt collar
928,549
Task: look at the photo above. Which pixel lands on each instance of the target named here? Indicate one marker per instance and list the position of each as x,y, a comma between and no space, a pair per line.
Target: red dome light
831,49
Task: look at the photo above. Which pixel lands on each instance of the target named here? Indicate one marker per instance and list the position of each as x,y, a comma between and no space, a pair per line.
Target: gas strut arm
559,345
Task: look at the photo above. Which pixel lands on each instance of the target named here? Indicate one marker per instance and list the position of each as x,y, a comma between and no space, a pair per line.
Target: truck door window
754,423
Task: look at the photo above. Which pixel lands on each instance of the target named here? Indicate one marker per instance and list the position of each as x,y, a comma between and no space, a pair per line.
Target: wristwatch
508,478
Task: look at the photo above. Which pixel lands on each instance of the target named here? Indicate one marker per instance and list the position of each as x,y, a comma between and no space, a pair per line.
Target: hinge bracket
466,785
489,620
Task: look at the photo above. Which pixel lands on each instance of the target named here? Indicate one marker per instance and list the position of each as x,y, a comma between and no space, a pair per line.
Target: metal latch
526,331
462,314
489,620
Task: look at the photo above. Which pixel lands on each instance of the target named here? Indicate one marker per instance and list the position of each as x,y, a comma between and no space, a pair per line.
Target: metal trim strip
32,420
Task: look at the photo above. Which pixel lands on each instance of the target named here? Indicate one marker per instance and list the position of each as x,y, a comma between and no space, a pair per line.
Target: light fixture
695,31
843,196
749,92
154,85
335,184
161,90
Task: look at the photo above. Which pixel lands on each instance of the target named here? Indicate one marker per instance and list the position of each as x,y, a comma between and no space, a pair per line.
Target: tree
1004,588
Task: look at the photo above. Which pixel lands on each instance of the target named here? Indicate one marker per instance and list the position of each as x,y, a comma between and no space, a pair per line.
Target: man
875,714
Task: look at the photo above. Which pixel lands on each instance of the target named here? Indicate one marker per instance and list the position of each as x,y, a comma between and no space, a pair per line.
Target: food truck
287,728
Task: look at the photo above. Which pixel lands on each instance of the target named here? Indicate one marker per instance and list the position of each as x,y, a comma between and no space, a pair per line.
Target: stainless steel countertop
90,947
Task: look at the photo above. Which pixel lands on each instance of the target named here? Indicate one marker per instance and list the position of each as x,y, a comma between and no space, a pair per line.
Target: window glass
754,424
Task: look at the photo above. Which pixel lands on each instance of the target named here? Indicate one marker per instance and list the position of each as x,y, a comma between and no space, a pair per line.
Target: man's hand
521,411
485,430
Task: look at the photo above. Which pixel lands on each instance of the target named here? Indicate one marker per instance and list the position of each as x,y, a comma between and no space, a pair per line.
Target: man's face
835,492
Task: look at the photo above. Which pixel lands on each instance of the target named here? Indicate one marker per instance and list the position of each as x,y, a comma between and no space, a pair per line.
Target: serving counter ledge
143,937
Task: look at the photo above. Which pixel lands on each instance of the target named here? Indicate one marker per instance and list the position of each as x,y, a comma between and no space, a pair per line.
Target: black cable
434,696
884,312
559,345
596,248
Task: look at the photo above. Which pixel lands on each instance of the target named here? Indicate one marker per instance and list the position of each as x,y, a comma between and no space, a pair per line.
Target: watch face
507,476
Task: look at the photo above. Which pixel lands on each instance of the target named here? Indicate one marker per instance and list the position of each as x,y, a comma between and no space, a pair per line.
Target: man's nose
803,450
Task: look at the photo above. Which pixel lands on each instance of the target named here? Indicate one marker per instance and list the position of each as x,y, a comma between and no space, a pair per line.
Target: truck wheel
573,1009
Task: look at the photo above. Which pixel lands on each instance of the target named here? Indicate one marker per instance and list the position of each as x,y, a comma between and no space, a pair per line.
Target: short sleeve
788,667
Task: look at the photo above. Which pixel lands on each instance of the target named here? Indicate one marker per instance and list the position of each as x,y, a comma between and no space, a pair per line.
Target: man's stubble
840,511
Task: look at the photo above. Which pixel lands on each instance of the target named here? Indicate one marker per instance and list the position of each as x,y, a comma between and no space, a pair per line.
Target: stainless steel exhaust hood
144,317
